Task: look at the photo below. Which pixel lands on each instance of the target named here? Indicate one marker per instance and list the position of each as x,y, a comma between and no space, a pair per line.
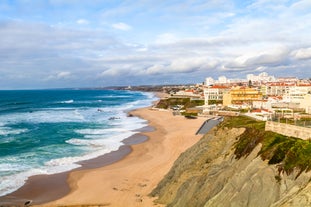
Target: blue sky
78,43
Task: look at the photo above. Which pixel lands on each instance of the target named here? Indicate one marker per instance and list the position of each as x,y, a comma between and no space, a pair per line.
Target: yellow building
305,103
241,95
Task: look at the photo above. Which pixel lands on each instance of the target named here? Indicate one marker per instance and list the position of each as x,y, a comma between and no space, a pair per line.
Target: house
241,95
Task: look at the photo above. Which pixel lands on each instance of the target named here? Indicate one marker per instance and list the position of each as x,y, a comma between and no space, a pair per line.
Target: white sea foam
122,124
97,131
46,116
85,142
67,101
63,164
101,140
7,167
19,173
55,115
11,183
4,131
114,96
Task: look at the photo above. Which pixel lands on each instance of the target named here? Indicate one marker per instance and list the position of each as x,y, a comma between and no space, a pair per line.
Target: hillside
239,164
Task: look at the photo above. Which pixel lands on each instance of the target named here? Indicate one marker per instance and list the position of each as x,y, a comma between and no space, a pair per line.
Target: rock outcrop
209,174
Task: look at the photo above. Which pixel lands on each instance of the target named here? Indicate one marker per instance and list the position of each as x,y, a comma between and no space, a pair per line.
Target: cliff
238,166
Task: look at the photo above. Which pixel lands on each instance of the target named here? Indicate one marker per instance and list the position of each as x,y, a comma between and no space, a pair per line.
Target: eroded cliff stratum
239,164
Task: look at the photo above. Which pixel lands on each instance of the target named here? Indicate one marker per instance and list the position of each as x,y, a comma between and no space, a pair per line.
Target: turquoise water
48,131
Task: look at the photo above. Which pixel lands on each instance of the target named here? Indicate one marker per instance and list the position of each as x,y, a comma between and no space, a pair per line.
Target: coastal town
261,96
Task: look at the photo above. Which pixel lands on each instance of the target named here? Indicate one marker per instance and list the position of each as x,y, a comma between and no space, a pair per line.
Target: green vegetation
237,110
287,153
243,121
248,141
189,114
194,103
185,102
211,102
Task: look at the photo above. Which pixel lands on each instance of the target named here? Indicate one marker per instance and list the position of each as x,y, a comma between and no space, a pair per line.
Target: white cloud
187,65
252,60
303,5
109,72
303,53
63,74
166,38
82,21
122,26
155,69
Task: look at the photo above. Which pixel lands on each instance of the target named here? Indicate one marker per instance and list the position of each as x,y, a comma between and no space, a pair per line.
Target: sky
79,43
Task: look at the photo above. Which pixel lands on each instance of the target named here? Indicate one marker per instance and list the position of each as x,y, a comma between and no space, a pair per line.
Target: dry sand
129,181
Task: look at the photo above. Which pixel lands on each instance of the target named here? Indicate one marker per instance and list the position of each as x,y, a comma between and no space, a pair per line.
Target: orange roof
219,86
256,110
259,110
276,97
280,84
304,84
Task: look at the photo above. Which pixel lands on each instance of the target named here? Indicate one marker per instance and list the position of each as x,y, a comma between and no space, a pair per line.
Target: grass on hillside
186,102
287,153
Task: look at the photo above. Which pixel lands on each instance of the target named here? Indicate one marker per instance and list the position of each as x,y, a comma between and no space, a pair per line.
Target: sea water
49,131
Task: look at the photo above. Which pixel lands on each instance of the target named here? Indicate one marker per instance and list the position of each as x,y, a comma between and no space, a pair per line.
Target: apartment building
241,95
296,93
214,94
276,88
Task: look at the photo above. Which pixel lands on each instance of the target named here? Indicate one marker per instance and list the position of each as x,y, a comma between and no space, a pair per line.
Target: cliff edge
235,166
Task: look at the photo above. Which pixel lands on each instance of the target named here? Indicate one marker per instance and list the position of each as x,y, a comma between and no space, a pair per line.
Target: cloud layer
79,44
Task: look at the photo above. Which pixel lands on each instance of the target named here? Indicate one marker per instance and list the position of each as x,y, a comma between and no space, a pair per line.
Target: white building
222,80
287,79
276,89
262,77
267,104
187,93
214,93
209,81
297,93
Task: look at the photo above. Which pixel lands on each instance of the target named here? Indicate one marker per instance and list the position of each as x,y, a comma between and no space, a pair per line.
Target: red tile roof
219,86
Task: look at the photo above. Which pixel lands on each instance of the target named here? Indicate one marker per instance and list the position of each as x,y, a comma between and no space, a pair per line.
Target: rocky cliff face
208,174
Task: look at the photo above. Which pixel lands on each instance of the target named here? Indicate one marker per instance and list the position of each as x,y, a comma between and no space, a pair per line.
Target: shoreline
139,154
45,188
129,181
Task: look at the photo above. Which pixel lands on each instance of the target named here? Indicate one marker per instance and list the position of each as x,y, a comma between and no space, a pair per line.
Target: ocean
49,131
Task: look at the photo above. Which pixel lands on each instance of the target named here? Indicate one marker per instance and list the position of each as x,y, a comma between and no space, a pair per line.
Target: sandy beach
129,181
